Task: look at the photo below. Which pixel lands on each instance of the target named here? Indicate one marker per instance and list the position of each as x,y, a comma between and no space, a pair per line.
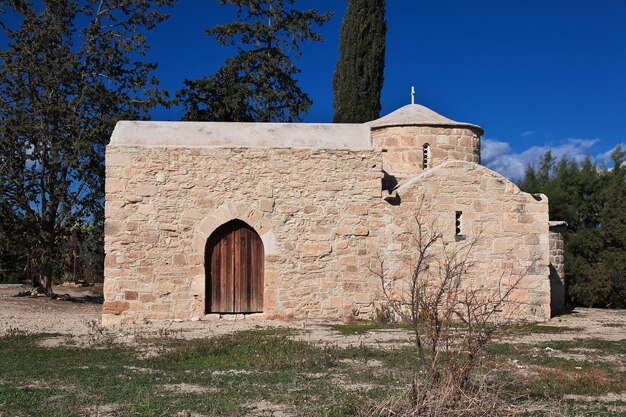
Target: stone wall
319,212
404,152
309,206
510,229
557,267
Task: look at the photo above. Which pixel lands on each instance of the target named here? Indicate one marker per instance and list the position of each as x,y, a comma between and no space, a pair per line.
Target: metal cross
412,95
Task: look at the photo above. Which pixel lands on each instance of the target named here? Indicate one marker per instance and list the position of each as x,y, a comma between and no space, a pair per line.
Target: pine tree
71,70
593,203
358,79
258,84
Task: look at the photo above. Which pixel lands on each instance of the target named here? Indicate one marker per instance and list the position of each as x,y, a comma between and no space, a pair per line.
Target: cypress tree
358,78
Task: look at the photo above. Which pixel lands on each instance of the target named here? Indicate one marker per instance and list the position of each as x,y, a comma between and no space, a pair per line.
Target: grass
359,327
552,377
538,328
232,373
236,371
615,325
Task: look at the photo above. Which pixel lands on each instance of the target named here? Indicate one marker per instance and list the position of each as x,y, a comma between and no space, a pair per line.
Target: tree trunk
44,285
75,255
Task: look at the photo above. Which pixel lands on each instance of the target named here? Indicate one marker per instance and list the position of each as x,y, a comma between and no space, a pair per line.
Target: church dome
418,115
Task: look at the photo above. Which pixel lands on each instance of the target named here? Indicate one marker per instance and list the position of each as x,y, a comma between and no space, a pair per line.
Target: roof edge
254,135
448,125
418,115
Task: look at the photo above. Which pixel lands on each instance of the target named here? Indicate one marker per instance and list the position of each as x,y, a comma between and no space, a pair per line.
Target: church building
281,220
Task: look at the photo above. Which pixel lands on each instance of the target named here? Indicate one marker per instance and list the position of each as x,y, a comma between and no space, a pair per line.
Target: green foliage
258,84
592,200
359,74
71,70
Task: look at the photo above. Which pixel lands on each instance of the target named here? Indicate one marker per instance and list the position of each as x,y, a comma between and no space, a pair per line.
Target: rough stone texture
320,211
557,267
403,154
510,229
310,207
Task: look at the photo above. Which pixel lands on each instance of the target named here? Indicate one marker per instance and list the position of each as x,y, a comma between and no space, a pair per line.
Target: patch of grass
250,350
594,409
362,327
237,371
538,328
555,383
552,377
600,347
603,347
616,325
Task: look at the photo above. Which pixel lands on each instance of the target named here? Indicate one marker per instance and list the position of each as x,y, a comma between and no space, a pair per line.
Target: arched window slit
426,156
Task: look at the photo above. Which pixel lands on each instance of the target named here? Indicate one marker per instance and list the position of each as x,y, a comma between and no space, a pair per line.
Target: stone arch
234,269
235,211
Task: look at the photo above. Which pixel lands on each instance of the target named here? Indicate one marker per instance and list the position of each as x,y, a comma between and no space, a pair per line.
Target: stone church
279,220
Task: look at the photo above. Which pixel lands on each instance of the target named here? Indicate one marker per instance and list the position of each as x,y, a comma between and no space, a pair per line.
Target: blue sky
534,74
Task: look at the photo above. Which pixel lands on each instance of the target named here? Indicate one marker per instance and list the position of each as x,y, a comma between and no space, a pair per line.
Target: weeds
242,370
454,315
362,327
480,398
96,332
538,328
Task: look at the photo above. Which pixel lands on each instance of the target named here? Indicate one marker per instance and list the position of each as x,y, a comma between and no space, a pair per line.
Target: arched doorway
234,266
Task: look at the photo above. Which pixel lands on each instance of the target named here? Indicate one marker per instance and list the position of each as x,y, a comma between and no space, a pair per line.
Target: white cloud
605,157
497,155
490,149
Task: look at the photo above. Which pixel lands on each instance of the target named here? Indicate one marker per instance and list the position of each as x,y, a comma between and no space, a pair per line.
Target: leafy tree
72,69
257,84
592,200
358,78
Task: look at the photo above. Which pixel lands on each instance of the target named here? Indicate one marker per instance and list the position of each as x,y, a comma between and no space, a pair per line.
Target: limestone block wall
557,267
310,206
510,228
404,146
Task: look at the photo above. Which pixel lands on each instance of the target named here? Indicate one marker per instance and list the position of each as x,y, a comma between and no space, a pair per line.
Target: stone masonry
315,195
557,267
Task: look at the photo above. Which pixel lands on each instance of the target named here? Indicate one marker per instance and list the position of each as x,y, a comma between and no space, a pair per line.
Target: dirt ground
80,317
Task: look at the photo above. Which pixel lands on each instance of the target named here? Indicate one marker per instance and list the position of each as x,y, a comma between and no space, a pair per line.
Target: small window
459,215
425,156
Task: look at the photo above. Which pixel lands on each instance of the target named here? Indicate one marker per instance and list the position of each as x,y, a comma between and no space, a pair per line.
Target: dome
417,115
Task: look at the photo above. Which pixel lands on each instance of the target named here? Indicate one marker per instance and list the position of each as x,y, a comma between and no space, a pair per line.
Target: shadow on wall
557,293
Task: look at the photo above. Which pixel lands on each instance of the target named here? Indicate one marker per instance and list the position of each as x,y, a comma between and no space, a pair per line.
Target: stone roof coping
253,135
418,115
555,223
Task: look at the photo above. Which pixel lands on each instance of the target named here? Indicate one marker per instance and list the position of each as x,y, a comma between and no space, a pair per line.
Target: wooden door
234,265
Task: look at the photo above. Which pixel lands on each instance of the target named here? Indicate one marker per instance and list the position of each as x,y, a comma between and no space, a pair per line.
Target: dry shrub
453,317
445,399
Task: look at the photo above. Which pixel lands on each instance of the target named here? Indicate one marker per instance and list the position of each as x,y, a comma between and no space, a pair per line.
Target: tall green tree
72,69
359,75
258,84
592,200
